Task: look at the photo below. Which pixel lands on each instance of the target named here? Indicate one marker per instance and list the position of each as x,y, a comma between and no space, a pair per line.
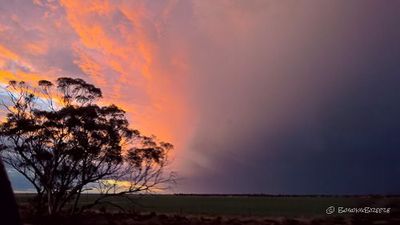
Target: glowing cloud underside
114,45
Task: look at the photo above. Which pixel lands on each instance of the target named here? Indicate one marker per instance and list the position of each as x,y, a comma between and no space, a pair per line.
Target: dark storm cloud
307,101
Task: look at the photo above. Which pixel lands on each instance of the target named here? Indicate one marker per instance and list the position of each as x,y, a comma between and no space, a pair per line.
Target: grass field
236,205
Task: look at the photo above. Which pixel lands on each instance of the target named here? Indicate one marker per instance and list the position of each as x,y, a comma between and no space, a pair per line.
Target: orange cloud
6,76
38,48
118,48
7,53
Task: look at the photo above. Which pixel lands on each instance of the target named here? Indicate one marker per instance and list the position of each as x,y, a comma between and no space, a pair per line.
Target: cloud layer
258,96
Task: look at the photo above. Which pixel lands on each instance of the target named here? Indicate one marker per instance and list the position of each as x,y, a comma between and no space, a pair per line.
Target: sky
258,96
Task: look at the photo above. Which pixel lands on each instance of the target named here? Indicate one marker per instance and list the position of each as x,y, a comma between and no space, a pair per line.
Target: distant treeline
248,195
285,195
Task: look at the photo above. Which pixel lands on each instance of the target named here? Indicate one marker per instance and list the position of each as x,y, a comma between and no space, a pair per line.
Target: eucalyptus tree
64,142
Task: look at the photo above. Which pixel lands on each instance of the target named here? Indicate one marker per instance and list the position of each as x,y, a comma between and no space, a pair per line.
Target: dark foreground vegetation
193,209
64,142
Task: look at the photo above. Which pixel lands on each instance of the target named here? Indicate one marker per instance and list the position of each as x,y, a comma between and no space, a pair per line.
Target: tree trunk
76,202
49,203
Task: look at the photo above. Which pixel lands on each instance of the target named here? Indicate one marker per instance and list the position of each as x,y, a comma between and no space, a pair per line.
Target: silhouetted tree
61,141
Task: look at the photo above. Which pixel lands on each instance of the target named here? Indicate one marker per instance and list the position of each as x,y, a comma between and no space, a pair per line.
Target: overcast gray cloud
304,99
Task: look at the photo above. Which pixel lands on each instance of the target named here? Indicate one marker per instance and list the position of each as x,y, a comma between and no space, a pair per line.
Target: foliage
64,143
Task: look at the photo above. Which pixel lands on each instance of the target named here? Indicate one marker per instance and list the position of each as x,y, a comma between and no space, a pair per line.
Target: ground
232,210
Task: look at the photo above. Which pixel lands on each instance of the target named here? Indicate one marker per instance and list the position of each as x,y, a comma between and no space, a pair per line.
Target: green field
235,205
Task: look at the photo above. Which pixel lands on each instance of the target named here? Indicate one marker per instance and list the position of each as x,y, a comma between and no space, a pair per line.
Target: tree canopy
63,142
